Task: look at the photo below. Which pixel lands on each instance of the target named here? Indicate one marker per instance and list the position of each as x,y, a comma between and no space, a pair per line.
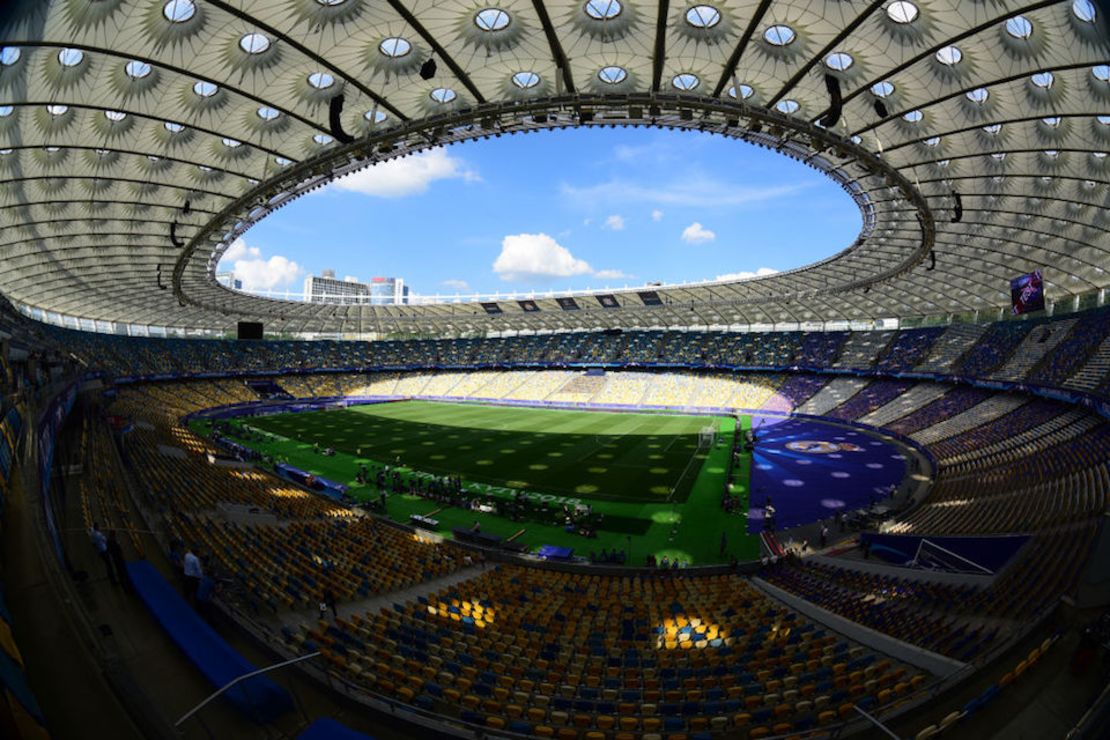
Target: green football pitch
644,472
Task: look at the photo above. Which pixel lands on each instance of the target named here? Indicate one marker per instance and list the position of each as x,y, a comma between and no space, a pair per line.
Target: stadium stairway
379,601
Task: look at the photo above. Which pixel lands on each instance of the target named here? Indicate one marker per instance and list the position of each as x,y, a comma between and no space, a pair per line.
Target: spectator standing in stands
193,574
100,542
118,562
329,601
824,535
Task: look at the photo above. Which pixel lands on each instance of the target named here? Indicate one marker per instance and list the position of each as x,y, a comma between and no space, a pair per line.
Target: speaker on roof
173,236
880,109
957,207
830,119
335,122
428,69
932,260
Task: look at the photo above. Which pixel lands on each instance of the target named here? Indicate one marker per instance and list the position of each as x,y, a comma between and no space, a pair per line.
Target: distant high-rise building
228,280
380,291
388,291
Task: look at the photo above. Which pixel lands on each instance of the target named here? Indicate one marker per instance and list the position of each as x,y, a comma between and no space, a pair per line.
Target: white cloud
615,222
695,191
695,233
539,257
256,272
459,285
536,256
656,215
406,176
745,274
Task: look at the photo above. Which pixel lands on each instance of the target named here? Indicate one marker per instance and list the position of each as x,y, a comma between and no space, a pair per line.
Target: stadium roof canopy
138,138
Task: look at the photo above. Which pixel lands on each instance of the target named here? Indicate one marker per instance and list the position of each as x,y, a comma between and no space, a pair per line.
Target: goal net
707,437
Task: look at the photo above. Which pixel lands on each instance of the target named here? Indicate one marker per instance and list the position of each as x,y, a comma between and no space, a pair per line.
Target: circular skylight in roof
179,11
70,57
978,95
788,106
932,141
1084,10
949,55
746,91
254,43
321,80
603,10
913,116
56,109
1019,27
9,55
173,128
1051,121
1043,79
882,89
779,35
491,19
1101,72
231,143
1104,120
330,3
612,74
525,80
375,116
6,110
902,12
394,47
205,89
115,116
994,128
136,70
685,81
443,95
703,16
266,113
322,139
839,61
282,161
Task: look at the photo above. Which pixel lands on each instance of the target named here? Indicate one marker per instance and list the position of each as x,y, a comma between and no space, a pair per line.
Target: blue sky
558,210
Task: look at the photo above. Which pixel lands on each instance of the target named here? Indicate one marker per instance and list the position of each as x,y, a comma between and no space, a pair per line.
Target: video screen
528,306
491,308
650,298
608,301
567,304
249,330
1027,293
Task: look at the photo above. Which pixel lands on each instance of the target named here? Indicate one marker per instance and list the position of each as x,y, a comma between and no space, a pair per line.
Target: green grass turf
641,457
625,465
